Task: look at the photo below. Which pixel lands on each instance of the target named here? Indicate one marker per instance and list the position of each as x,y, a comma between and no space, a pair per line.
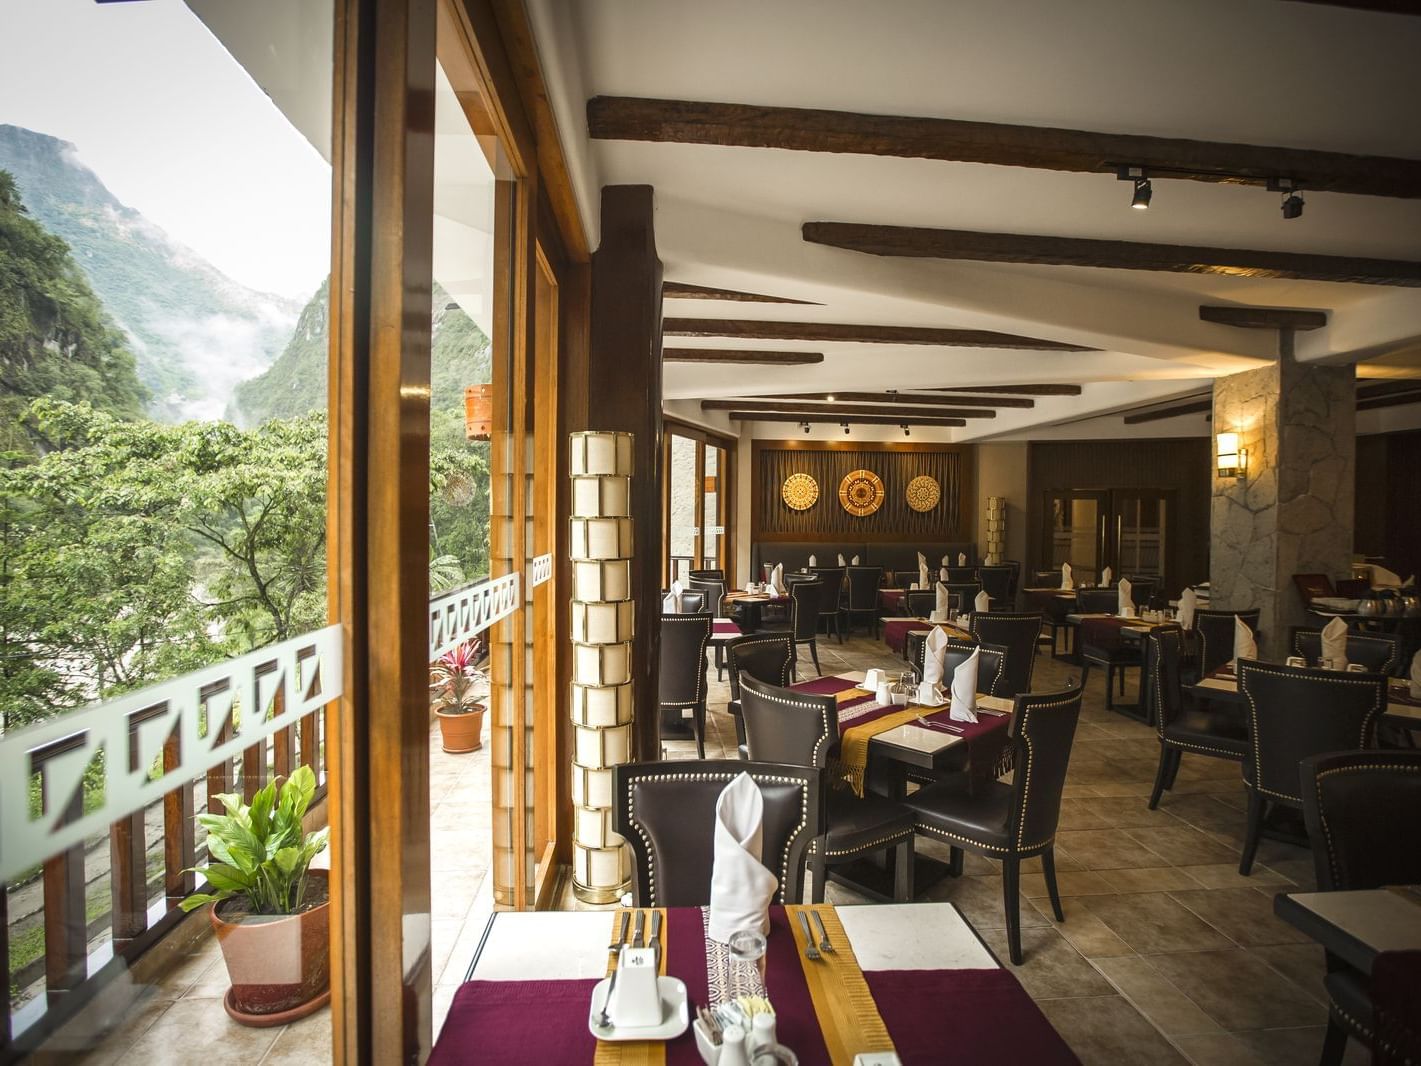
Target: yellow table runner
852,764
848,1017
851,694
633,1052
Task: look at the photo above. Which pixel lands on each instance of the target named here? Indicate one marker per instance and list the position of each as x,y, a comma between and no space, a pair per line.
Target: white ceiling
1256,71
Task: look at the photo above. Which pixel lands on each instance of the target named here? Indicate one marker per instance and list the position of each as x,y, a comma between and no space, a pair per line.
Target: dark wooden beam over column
1387,7
908,397
797,407
744,355
1193,407
853,420
624,393
838,331
1262,317
679,290
1016,390
915,242
622,118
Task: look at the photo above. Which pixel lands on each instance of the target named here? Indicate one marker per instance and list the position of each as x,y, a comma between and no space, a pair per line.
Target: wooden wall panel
896,464
1388,501
1179,464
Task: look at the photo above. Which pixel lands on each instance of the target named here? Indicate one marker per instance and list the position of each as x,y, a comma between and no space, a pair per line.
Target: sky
176,129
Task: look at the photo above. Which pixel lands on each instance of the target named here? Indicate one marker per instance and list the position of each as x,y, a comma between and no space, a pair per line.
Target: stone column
1292,512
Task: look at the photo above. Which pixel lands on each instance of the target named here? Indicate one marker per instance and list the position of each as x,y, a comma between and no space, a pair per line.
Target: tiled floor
1167,955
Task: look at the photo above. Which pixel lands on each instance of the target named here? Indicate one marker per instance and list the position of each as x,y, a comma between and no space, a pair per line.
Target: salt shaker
762,1032
732,1047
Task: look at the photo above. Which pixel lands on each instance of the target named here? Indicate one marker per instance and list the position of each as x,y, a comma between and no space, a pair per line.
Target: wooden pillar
624,393
378,500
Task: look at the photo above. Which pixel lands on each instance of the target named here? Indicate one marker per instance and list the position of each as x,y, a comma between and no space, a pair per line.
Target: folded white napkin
1245,647
741,887
1066,582
841,560
856,560
1416,676
1382,578
964,689
961,558
1105,576
1334,643
922,571
1188,604
934,650
982,603
813,561
1125,599
777,579
944,602
672,603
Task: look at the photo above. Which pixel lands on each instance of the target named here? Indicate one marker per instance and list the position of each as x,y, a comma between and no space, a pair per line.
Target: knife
637,940
656,933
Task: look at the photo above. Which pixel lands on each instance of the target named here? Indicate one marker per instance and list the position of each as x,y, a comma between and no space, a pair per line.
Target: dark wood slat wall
1388,505
1181,465
894,522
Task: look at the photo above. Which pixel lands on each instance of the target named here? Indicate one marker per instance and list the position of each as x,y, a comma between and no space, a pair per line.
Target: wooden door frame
725,504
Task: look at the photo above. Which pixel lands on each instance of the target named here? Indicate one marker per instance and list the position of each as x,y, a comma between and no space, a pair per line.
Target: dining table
751,604
881,747
1112,631
1402,708
914,979
1356,925
897,630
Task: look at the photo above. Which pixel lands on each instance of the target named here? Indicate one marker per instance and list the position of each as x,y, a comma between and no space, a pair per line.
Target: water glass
747,949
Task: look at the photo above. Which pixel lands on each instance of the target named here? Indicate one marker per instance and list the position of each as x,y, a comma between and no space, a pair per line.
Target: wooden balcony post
179,834
66,934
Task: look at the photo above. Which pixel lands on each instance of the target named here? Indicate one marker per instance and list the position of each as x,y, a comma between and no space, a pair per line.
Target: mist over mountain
194,332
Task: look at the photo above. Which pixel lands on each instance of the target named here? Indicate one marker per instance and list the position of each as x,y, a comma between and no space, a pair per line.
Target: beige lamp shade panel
601,497
602,581
923,493
601,705
861,493
800,492
600,454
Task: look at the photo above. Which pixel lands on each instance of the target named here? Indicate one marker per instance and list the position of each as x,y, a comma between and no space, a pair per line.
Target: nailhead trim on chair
701,676
1356,767
1367,720
727,777
803,706
873,845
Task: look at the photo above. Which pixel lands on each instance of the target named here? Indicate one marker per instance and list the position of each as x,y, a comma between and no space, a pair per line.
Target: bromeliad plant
454,678
260,851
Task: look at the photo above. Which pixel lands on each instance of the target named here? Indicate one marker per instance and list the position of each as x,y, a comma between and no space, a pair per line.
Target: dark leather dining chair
707,575
863,595
1351,802
996,582
768,657
905,579
803,621
919,603
1097,601
832,578
989,663
1212,729
682,669
1294,712
1115,657
691,603
1016,821
785,726
666,812
1018,634
712,592
965,591
1214,633
962,575
1375,651
1142,590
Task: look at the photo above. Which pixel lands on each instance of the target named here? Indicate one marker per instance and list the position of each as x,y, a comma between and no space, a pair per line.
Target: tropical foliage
455,681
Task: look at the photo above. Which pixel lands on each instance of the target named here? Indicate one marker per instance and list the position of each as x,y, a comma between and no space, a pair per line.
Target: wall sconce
1232,460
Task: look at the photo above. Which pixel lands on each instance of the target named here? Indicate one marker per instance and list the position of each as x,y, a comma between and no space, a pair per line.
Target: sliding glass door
697,499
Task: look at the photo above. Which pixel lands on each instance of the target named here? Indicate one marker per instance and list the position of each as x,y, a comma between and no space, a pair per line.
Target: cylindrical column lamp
996,529
603,624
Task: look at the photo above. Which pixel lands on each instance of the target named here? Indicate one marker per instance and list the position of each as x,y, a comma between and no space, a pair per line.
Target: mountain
195,333
296,383
55,339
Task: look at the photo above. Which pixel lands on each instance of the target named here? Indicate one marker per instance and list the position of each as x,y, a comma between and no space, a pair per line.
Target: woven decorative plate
861,493
923,493
800,491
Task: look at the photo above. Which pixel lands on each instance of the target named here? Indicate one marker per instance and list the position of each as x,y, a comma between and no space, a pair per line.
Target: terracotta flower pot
462,732
280,966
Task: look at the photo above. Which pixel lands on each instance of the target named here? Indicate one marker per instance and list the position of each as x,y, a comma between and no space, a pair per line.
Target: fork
824,944
810,951
603,1018
621,938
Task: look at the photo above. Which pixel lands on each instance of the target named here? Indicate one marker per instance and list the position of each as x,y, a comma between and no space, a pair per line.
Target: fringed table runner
897,630
724,628
891,599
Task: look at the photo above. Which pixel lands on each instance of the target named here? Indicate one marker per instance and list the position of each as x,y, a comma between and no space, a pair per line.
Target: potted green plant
271,911
457,685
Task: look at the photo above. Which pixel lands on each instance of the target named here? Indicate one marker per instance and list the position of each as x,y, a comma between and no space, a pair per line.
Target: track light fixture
846,428
829,397
1141,198
1292,196
905,429
804,426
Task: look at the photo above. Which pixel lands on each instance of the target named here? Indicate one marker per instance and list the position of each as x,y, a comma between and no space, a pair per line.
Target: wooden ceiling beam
1194,407
1262,317
853,420
623,118
744,329
915,242
1016,390
1386,7
679,290
732,355
793,407
909,397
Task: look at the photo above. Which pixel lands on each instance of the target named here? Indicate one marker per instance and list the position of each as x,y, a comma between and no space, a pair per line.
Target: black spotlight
1141,200
846,428
804,426
1293,205
905,430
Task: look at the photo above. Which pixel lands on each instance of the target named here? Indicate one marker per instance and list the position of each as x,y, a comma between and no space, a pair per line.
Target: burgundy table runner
1104,633
891,600
896,630
965,1015
828,686
725,629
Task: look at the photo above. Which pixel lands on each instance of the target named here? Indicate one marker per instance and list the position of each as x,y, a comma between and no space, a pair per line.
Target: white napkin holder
899,699
929,695
872,679
636,1001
